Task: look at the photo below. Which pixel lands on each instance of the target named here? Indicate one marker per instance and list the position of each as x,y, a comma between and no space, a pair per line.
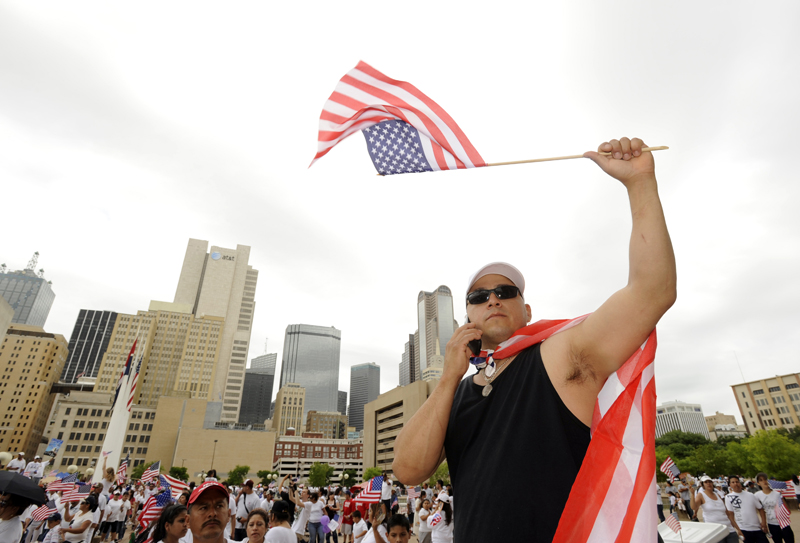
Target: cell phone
475,344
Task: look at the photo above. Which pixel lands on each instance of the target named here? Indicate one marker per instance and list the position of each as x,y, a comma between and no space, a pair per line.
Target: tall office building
408,370
88,344
180,353
342,406
771,403
32,361
365,386
256,397
686,417
6,314
265,363
221,283
289,408
436,326
28,293
311,359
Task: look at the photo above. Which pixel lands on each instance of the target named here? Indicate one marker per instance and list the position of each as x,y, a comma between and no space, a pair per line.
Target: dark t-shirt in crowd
521,441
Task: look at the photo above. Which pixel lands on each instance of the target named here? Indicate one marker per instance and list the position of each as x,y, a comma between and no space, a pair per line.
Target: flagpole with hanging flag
118,425
405,131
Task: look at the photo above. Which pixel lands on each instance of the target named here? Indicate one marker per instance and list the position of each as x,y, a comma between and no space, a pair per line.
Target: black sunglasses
503,292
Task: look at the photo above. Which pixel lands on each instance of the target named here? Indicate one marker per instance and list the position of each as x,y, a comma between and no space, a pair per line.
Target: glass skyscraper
257,390
365,386
311,359
88,344
29,295
436,326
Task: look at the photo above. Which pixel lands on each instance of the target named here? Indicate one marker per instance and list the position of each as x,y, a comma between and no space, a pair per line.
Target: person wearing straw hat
535,406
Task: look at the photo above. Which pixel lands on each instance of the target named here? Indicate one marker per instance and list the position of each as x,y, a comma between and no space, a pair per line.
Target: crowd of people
748,508
286,512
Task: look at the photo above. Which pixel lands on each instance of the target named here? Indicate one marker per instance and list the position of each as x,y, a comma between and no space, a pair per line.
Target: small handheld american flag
783,515
670,469
152,472
674,524
372,491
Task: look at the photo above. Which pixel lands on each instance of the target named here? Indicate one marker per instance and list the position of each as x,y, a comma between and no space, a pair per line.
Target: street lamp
213,453
183,461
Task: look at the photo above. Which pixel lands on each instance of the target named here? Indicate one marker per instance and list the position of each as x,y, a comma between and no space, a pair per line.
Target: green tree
237,475
352,477
442,472
264,475
179,473
739,459
724,440
773,453
320,474
685,438
709,459
369,473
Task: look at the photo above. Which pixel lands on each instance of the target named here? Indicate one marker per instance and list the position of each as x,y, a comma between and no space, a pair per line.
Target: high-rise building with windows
220,283
342,405
365,386
289,408
28,293
408,368
88,344
32,361
257,391
311,359
771,403
436,326
686,417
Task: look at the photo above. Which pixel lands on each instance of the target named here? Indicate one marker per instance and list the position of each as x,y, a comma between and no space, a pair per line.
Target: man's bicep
610,335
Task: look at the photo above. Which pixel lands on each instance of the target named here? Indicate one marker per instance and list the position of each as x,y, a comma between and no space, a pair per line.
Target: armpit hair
581,369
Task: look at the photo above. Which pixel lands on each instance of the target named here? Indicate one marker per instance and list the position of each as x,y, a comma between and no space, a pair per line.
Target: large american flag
371,492
135,380
122,470
152,472
415,134
77,494
44,511
611,498
785,488
153,507
670,469
783,515
177,486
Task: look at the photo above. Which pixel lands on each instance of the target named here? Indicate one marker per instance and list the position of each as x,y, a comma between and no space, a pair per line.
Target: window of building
757,392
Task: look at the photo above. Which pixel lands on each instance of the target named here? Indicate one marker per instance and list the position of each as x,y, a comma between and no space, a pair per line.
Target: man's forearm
652,260
418,447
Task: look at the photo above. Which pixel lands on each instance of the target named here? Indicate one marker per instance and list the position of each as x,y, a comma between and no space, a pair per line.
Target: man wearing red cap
209,513
533,407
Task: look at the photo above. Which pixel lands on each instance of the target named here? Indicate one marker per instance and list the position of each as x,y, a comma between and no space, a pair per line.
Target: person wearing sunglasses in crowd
80,525
536,405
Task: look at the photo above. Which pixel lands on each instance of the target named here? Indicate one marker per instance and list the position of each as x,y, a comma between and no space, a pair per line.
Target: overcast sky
126,129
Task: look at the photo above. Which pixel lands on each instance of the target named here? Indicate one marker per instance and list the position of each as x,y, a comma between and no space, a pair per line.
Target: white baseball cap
499,268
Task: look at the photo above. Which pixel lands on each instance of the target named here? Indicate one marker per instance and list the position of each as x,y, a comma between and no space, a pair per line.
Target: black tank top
512,455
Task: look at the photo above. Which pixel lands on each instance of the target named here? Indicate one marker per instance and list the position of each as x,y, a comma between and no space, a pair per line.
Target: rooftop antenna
41,273
740,367
3,268
265,345
33,261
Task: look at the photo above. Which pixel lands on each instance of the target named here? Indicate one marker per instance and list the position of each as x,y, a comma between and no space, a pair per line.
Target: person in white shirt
359,527
314,507
33,467
442,531
18,464
279,529
424,533
266,503
112,516
378,533
386,495
53,534
301,516
771,501
245,502
712,503
745,513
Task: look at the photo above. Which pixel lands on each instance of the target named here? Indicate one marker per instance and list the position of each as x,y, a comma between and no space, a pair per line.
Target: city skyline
127,131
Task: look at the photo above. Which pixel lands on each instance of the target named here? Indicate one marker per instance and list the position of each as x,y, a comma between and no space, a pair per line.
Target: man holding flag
533,402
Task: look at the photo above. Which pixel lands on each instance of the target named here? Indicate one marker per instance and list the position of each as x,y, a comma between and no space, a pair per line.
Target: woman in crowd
442,531
771,501
280,531
379,532
11,509
713,505
332,509
256,526
172,525
183,499
79,524
423,513
109,477
314,509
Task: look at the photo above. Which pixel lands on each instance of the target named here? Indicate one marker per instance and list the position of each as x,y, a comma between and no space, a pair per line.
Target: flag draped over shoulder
371,492
611,498
405,130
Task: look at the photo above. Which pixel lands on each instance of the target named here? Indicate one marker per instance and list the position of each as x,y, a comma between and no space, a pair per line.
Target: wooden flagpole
661,148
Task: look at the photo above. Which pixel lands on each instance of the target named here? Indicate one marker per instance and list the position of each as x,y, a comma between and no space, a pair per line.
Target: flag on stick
44,511
670,469
371,492
177,486
77,494
673,522
153,507
152,472
414,493
783,515
122,471
413,133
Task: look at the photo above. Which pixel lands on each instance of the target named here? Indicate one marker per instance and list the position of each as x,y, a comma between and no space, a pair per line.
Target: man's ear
528,312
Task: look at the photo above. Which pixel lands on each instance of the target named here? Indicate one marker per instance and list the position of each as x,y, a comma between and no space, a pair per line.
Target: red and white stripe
135,379
673,523
177,487
783,515
610,500
365,96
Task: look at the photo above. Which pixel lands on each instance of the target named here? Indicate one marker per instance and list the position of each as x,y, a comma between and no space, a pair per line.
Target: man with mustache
533,406
209,513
